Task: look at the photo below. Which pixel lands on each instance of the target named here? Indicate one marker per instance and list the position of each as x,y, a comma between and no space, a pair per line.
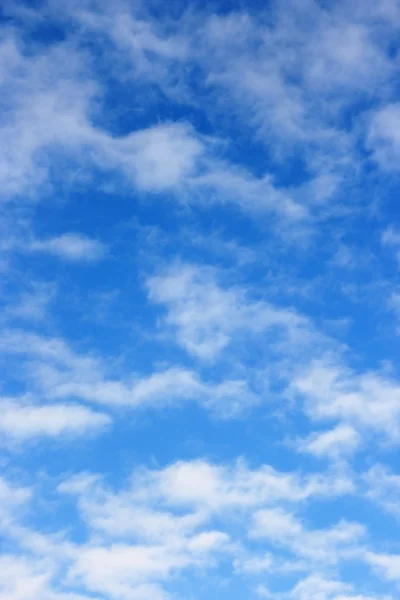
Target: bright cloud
207,316
23,421
334,442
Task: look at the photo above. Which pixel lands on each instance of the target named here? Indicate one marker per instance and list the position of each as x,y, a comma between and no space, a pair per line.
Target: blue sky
200,300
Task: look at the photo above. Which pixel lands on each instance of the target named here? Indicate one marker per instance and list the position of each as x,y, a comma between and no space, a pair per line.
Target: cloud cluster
165,523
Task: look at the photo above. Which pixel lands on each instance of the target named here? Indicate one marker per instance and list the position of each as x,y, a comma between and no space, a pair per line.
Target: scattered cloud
334,392
22,421
383,487
206,315
58,372
253,565
388,565
384,136
333,443
32,304
327,545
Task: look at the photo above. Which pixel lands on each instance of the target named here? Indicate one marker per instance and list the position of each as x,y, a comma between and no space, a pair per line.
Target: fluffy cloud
388,565
207,315
58,372
342,439
334,392
31,304
167,523
71,247
384,136
383,487
326,545
22,421
164,522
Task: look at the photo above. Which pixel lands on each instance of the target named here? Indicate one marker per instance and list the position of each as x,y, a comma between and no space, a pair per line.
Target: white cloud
291,77
384,136
120,569
159,527
208,540
142,46
204,485
390,237
58,372
46,105
340,440
72,247
320,545
126,571
159,158
51,109
393,305
290,74
128,515
263,592
207,315
333,392
254,565
32,304
160,505
383,487
276,524
138,542
388,565
317,587
13,497
22,421
51,94
320,587
49,114
356,596
230,184
26,579
162,523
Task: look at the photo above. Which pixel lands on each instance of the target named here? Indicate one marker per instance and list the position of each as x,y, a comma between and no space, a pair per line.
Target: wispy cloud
334,392
32,304
59,372
207,314
72,247
340,440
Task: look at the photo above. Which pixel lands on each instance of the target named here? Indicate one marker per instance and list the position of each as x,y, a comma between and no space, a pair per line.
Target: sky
200,300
